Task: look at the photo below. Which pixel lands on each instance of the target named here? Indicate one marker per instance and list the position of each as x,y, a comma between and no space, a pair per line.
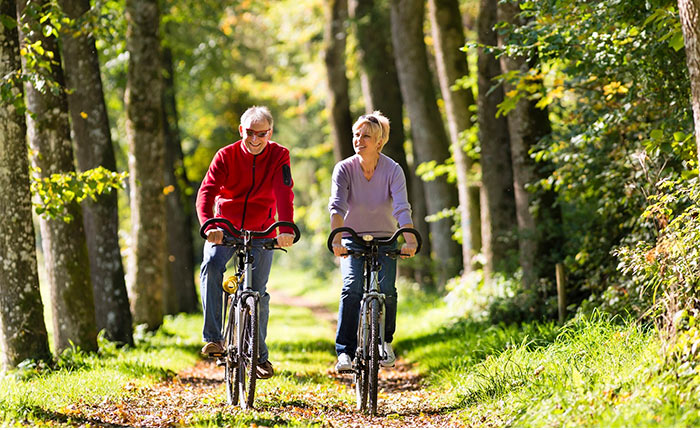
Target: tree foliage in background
613,75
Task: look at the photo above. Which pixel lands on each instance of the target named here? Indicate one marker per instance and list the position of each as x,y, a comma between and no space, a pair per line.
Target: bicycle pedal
220,362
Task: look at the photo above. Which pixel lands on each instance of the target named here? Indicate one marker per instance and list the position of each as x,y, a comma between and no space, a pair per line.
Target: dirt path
196,393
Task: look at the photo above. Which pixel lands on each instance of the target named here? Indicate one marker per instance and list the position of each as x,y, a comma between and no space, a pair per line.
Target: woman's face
363,142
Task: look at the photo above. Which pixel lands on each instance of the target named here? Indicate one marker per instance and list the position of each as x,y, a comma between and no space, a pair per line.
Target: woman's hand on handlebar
408,250
339,250
215,236
285,240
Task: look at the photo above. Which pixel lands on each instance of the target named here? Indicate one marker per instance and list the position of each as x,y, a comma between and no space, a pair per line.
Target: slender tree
22,329
338,97
93,148
380,88
63,242
430,141
497,198
180,294
689,11
143,98
527,124
448,34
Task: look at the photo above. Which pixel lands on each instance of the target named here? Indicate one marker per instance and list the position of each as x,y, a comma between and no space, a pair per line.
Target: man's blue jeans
352,270
211,277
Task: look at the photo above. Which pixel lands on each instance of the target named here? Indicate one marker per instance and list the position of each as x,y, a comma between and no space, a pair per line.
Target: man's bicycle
370,330
241,331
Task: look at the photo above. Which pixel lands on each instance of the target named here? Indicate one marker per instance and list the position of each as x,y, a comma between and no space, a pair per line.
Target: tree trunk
381,92
22,329
526,125
448,34
93,145
689,11
144,132
180,293
338,98
497,198
430,141
64,244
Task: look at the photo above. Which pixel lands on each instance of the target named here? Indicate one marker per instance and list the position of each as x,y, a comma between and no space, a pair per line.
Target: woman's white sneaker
344,363
390,357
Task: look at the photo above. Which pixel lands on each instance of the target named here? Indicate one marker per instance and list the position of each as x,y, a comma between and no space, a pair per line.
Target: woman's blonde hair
378,124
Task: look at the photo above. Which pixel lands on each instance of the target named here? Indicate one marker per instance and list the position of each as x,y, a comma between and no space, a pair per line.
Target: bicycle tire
361,360
373,365
248,363
230,374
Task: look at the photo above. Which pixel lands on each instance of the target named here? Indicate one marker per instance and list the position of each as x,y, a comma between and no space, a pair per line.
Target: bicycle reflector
231,284
367,237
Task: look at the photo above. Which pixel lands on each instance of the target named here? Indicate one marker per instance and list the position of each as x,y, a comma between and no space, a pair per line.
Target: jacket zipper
245,203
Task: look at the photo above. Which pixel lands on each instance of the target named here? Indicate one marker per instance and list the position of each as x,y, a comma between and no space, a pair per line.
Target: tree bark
689,11
93,146
338,98
430,141
527,124
497,198
22,329
146,274
381,92
180,293
64,243
448,36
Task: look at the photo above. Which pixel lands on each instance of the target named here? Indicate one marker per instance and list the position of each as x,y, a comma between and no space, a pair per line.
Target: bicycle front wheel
362,360
373,370
248,348
230,356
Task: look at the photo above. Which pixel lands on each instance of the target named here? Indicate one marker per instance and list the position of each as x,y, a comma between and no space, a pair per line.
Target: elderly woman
368,195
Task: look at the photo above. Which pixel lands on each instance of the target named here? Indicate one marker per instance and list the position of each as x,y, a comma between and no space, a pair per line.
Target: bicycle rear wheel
373,365
248,347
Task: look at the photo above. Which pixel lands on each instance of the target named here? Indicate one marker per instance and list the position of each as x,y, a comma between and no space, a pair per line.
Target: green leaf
676,42
657,134
679,136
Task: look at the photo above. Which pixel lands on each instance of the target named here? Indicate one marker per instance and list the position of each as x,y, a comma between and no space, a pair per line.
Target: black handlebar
237,232
357,239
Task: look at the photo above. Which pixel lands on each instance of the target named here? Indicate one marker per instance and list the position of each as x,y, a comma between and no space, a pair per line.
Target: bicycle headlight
367,237
230,285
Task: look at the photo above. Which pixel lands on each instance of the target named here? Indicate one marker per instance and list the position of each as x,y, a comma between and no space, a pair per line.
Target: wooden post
561,292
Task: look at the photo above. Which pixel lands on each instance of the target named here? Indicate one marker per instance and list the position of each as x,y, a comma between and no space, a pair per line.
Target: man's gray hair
255,114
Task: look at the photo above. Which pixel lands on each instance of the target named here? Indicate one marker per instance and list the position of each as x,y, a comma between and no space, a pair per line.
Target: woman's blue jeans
211,278
352,270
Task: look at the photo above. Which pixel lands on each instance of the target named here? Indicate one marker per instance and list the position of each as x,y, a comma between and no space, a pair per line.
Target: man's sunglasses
253,133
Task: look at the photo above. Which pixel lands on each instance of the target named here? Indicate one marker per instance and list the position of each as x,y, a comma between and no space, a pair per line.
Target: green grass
594,372
34,393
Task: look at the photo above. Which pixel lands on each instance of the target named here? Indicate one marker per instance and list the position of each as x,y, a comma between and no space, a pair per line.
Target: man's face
255,135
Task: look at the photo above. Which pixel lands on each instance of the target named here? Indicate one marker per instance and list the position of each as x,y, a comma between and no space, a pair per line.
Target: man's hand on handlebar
215,236
285,240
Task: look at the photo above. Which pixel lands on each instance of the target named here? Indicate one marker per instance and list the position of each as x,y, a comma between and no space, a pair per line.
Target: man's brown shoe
264,370
213,348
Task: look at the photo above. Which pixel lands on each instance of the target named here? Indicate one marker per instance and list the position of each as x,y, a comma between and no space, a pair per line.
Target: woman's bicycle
241,331
370,330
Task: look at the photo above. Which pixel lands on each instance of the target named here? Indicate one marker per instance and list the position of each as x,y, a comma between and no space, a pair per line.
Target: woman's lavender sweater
370,207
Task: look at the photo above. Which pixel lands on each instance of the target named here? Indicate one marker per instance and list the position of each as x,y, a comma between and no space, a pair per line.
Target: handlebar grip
210,221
